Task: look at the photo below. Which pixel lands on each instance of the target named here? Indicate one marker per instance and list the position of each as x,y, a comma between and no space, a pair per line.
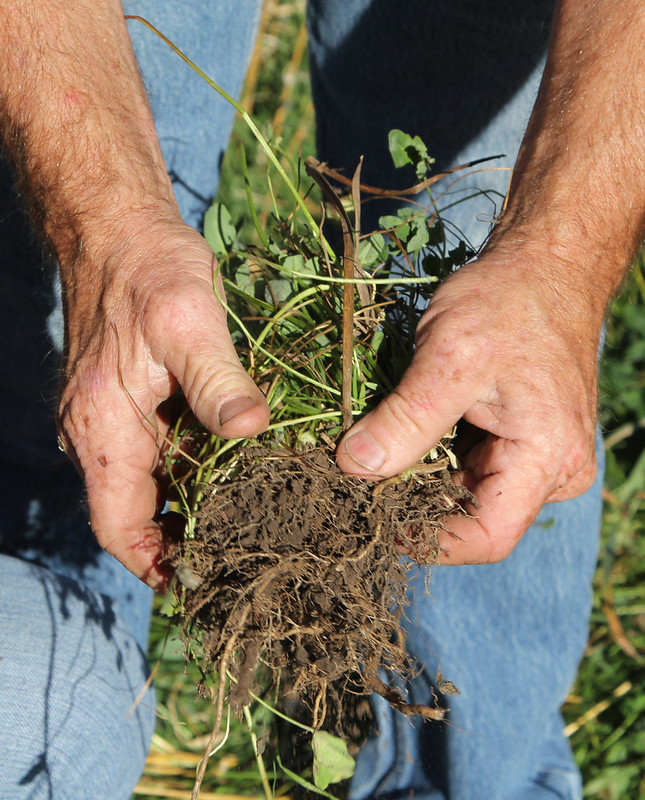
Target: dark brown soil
299,569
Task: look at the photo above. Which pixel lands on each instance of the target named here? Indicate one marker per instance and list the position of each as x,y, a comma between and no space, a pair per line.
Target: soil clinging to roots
299,568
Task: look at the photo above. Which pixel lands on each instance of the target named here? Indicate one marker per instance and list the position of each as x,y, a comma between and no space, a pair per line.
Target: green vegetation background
605,712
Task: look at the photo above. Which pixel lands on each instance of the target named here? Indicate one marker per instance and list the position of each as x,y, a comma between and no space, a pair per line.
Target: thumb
406,424
195,347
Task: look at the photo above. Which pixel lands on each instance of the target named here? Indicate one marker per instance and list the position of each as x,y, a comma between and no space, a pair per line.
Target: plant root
299,566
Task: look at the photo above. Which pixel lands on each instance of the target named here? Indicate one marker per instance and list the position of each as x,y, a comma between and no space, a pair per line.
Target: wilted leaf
444,686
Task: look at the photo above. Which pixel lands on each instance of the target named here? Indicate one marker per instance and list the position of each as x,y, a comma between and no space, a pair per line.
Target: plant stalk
251,125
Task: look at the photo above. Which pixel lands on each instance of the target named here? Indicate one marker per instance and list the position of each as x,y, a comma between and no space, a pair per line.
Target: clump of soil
299,568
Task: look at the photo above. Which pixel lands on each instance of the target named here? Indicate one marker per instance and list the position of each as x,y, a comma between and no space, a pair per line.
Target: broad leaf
219,229
332,762
406,149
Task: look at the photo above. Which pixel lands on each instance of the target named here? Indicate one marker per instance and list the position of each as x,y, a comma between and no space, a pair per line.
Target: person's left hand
509,346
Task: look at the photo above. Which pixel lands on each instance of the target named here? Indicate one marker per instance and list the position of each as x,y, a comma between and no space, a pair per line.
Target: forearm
579,183
75,119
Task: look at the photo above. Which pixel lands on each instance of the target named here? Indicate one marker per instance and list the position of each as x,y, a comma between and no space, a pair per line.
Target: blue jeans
464,75
509,635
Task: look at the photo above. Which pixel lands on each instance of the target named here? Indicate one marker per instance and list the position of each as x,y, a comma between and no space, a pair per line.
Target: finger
511,482
408,422
201,356
116,449
502,514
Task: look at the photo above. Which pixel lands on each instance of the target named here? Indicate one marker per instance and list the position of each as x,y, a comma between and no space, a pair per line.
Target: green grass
606,710
605,713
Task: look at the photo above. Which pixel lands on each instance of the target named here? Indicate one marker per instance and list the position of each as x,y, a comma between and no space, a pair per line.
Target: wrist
104,218
556,252
549,288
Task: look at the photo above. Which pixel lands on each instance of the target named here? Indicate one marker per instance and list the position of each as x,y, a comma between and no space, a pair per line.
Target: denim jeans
74,623
464,75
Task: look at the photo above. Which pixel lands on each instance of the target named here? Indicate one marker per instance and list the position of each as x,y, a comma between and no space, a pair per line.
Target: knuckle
408,411
74,420
455,349
179,309
84,400
576,485
579,461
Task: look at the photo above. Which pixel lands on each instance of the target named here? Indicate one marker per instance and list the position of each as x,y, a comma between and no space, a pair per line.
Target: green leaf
410,227
398,143
332,762
372,250
420,236
311,266
294,263
219,228
279,290
437,234
307,438
390,222
406,149
302,782
433,264
171,605
460,254
244,279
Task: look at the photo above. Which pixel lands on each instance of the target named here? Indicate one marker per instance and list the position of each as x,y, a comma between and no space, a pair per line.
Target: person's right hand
147,324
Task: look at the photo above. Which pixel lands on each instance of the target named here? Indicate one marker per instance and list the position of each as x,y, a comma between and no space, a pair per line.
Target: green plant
602,713
326,336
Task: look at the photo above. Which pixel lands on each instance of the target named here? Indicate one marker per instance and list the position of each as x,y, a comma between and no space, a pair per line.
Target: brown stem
351,270
323,169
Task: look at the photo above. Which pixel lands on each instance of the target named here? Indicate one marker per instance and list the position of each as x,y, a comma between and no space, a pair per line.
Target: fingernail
365,450
231,408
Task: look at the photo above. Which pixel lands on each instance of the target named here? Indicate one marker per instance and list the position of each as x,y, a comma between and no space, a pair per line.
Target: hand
514,354
147,326
509,343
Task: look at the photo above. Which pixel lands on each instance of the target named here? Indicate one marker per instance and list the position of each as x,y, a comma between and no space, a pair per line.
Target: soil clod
300,566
